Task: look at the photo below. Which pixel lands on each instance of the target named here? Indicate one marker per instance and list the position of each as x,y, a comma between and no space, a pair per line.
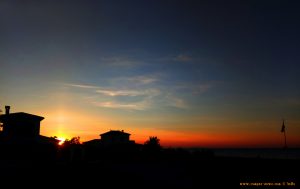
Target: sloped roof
93,141
20,115
115,132
46,139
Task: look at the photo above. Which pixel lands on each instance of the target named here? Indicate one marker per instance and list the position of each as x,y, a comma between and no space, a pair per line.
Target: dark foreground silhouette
30,160
167,168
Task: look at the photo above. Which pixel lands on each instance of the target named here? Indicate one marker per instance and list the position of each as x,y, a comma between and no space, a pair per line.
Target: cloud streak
176,102
138,81
143,79
116,105
81,86
141,97
132,93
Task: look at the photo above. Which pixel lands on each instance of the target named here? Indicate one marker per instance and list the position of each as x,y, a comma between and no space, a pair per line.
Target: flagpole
283,130
285,146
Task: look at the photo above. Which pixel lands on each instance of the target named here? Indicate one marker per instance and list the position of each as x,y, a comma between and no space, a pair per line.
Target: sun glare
61,140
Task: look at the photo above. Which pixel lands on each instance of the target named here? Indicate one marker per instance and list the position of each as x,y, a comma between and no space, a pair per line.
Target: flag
283,127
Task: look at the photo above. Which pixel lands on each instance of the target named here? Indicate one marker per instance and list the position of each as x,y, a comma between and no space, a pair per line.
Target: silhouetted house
21,132
115,137
113,144
112,137
20,124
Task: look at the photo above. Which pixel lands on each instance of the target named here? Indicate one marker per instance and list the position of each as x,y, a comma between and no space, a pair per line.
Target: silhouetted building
112,145
20,124
20,136
115,137
112,137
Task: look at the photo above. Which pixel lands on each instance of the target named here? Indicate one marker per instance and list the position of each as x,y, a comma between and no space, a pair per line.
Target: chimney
7,110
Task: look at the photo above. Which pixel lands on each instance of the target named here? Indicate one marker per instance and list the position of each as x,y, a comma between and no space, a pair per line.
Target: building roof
114,132
46,139
27,140
93,141
20,115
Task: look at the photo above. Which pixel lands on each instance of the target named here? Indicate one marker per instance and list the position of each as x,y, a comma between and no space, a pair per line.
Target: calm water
272,153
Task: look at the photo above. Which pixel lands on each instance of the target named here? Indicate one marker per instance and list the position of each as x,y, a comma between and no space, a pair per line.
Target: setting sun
61,140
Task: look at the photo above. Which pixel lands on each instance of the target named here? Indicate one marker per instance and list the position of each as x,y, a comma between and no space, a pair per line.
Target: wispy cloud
119,92
176,102
148,92
143,79
138,98
143,105
142,98
138,81
116,92
82,86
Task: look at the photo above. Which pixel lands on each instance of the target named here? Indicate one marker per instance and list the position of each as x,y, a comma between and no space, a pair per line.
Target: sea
269,153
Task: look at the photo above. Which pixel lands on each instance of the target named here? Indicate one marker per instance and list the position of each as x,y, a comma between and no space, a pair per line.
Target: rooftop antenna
7,109
1,125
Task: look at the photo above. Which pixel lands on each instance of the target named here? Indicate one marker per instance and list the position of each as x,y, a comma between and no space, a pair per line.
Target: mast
283,131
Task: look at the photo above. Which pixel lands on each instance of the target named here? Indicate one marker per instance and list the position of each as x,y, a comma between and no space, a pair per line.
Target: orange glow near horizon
68,124
196,139
180,139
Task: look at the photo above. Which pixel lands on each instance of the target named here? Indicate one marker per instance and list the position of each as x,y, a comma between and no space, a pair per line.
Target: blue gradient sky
203,73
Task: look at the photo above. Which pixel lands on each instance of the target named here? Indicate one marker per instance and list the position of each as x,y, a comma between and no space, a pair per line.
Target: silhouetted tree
71,150
54,137
73,141
152,145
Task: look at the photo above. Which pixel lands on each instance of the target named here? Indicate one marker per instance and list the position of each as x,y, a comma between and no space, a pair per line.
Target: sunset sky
201,74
